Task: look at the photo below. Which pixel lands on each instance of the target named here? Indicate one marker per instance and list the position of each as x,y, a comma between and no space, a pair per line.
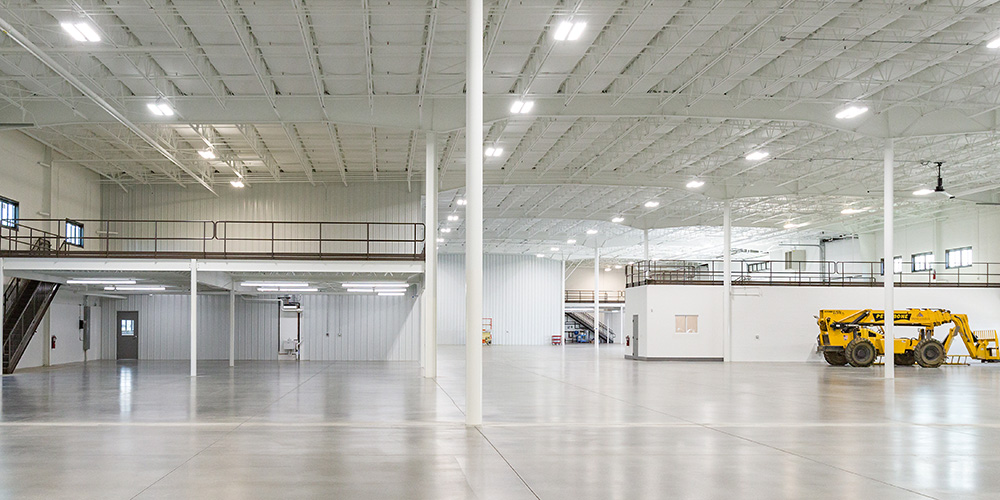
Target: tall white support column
474,217
645,244
430,266
194,317
597,297
562,303
888,250
232,325
727,282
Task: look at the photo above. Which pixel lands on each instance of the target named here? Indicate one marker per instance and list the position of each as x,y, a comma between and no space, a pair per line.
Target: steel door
128,334
635,335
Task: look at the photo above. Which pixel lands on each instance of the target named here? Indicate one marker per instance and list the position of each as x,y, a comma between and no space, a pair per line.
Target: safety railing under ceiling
587,296
203,239
808,273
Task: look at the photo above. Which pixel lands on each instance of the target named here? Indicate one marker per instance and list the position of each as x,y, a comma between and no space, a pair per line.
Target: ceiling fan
940,192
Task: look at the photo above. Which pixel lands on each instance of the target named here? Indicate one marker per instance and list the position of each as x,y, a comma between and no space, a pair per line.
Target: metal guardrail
204,239
587,296
808,273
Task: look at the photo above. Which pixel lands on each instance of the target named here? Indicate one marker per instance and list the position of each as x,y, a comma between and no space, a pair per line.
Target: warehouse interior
499,249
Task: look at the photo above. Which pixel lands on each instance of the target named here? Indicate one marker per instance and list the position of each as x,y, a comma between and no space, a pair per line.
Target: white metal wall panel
361,328
374,202
164,325
520,293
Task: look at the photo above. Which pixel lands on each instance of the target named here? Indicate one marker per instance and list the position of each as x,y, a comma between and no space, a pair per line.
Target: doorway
635,335
128,335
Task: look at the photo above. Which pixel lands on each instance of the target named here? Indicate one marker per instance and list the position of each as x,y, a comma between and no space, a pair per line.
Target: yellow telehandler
847,337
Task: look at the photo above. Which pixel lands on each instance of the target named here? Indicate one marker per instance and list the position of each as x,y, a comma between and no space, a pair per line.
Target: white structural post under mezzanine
597,297
727,281
645,244
194,317
430,256
887,266
232,325
562,303
474,216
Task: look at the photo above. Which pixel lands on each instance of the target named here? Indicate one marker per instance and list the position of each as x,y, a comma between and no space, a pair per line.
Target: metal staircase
25,304
587,321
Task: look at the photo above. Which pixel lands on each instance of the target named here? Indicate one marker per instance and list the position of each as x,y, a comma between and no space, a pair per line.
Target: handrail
808,273
588,296
218,239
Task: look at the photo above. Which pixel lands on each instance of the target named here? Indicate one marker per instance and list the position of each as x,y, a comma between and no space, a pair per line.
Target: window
128,328
686,323
754,267
922,261
74,233
897,265
958,257
8,213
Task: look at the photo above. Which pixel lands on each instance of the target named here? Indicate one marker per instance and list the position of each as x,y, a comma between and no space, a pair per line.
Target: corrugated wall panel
164,325
520,293
361,328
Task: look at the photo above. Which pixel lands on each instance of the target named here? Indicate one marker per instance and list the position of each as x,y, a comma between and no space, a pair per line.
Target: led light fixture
757,155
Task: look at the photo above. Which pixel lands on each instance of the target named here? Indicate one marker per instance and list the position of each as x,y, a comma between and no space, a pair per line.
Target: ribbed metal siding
520,293
164,326
362,328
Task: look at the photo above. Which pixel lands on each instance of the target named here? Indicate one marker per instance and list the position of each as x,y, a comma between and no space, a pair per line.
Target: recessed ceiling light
923,192
571,242
539,255
445,229
651,204
460,202
81,32
591,231
851,112
695,184
440,240
618,219
275,284
207,154
237,183
618,266
521,107
453,217
554,249
994,44
488,151
757,155
792,225
607,269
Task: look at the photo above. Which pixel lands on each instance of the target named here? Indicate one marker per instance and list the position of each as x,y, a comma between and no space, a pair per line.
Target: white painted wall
657,307
582,278
360,327
63,321
521,293
777,323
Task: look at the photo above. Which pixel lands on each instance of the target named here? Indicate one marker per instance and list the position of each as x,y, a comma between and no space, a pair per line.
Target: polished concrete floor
561,423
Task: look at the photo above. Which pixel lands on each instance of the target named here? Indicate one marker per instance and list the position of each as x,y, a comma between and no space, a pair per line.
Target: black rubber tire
835,358
930,353
860,352
904,358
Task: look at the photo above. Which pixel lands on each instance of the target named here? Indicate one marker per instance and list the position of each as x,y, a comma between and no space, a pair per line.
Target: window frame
961,260
16,205
896,259
76,240
926,263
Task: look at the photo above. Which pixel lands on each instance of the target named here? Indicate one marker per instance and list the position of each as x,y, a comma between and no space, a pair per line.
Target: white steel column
232,325
645,244
194,317
887,268
474,217
562,303
597,294
430,266
727,282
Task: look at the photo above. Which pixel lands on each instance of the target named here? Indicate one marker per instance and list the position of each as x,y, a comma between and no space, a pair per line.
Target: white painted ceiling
653,95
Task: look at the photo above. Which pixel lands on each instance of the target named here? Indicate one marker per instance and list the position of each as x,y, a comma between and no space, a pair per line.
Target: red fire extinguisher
627,339
53,341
